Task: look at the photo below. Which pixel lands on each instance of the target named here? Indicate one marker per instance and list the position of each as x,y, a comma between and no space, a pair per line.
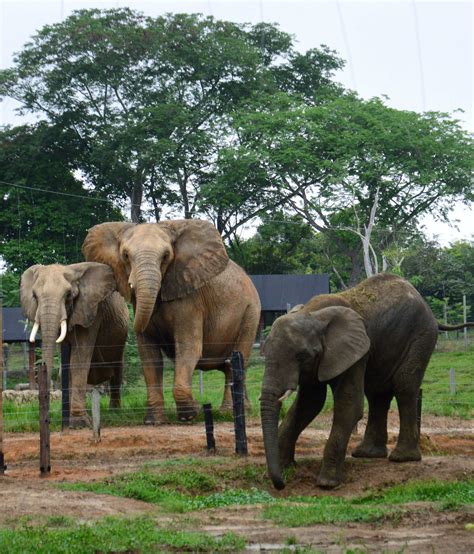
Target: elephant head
305,347
173,258
57,297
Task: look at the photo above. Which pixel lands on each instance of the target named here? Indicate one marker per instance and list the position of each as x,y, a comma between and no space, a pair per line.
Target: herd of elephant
196,306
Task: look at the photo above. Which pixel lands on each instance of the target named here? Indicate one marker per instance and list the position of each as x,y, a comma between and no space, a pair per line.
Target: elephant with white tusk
77,303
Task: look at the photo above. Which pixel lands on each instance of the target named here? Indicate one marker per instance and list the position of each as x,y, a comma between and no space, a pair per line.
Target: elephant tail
443,327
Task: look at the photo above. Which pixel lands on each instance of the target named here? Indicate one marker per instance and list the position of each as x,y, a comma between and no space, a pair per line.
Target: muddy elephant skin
191,302
375,338
77,304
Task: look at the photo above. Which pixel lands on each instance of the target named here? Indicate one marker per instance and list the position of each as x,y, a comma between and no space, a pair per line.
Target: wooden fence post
238,400
65,397
96,413
43,394
2,457
209,423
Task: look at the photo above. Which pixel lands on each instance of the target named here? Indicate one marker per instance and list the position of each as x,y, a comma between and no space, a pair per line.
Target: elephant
81,303
190,301
376,338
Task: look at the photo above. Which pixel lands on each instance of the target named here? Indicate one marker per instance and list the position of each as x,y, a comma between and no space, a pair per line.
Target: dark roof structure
280,292
14,326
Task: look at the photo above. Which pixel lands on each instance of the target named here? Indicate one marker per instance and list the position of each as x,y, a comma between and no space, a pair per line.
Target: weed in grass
60,521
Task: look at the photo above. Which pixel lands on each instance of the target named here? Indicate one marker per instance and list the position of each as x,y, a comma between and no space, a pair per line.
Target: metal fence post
43,394
238,400
31,366
209,423
452,381
2,457
96,413
65,399
419,406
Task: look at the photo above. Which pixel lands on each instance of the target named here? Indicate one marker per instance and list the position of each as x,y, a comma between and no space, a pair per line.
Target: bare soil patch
447,444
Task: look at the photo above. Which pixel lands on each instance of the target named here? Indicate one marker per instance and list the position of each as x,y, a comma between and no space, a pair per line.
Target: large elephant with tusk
77,303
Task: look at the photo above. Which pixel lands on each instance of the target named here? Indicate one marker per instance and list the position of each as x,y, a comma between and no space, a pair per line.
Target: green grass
111,535
437,399
180,490
390,503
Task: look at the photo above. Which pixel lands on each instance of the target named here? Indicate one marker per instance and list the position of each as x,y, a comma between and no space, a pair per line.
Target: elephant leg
188,351
227,405
81,357
115,385
307,405
152,362
374,443
348,392
408,447
407,382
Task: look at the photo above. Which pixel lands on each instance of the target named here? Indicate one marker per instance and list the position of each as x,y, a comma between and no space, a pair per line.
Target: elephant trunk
51,315
270,411
147,286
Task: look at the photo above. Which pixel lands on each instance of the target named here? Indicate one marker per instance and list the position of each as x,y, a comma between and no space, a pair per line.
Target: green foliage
282,244
148,100
111,535
10,289
442,274
48,223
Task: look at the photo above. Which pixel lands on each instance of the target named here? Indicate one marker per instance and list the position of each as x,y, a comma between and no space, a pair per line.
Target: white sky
418,53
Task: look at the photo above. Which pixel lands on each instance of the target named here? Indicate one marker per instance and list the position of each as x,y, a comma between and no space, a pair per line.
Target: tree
359,167
280,245
442,275
149,99
45,211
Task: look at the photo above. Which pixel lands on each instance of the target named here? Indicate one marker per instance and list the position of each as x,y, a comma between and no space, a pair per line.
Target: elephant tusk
287,394
34,331
63,331
131,286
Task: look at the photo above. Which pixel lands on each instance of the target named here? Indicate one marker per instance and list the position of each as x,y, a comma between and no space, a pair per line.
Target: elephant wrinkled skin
375,338
78,303
190,302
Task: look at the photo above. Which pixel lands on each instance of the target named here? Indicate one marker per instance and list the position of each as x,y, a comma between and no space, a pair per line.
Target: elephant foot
188,412
155,417
328,481
226,408
369,451
286,462
400,454
80,422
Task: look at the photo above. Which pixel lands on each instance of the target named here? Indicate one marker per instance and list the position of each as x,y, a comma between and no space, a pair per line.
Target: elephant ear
28,302
95,282
102,245
199,255
345,338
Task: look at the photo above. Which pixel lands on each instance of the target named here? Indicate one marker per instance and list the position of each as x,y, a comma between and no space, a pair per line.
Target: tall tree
149,98
359,167
45,211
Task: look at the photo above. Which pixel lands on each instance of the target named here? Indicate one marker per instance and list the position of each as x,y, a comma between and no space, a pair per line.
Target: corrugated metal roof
278,291
14,325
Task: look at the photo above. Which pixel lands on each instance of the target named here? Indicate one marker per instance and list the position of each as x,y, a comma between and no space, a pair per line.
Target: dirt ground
447,444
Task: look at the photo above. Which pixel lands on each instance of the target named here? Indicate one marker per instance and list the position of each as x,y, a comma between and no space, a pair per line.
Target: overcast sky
417,53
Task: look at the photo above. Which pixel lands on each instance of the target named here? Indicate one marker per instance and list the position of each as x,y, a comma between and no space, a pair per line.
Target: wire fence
448,390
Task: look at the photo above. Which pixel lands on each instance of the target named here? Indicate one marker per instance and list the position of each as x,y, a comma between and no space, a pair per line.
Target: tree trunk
136,201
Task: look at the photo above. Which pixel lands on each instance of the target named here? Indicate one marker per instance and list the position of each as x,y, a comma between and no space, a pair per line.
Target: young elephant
377,337
78,302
